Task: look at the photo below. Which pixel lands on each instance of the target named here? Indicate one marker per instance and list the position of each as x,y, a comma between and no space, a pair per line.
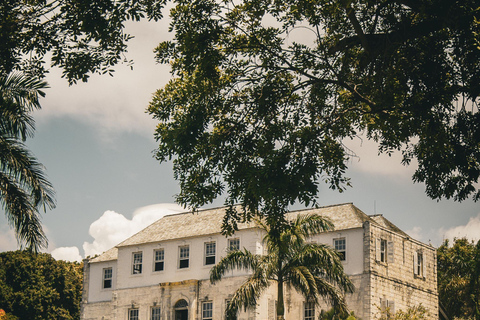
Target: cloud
113,104
67,254
112,227
415,233
8,242
368,160
470,231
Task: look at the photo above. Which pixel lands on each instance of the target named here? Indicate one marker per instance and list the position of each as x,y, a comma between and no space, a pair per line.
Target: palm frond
19,96
21,214
331,295
234,260
248,293
19,164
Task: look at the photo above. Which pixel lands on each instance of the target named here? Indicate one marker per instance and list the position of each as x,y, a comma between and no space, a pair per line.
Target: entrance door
181,310
181,314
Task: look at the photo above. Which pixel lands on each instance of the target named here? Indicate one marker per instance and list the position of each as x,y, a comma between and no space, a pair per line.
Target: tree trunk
280,304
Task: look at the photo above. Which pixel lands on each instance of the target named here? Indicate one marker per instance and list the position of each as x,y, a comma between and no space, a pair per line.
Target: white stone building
162,272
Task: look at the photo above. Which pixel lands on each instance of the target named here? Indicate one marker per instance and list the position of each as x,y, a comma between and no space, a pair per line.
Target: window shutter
377,249
391,306
391,252
415,263
424,265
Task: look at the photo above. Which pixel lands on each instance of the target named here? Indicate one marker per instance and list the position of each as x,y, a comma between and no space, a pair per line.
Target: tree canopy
459,278
265,92
81,37
36,286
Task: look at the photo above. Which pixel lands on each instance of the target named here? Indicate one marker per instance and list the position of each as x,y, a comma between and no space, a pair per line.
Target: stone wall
393,281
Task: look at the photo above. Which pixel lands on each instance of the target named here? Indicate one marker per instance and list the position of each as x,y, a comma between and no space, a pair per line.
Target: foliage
81,36
333,314
6,316
313,270
24,189
265,92
417,312
459,278
36,286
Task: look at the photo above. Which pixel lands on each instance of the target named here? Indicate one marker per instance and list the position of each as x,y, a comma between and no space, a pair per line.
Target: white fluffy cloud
67,254
368,159
470,231
118,103
112,227
7,239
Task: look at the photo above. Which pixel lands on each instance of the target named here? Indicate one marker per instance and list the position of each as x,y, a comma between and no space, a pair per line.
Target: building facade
162,272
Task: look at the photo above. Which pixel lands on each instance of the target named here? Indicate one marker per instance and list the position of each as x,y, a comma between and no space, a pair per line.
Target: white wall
96,292
250,239
353,263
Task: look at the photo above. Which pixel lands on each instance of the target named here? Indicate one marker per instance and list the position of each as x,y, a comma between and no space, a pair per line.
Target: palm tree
313,270
24,189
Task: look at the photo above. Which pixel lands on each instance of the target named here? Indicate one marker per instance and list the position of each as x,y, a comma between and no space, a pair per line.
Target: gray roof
209,221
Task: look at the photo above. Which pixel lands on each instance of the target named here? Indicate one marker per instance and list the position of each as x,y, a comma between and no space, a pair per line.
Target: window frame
132,316
183,258
209,316
309,306
383,250
419,266
137,264
104,278
342,253
209,255
158,262
232,247
154,315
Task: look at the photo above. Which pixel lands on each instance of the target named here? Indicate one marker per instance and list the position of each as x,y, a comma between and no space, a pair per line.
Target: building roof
209,221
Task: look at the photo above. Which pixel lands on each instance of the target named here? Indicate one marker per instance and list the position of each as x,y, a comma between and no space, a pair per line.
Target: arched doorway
181,310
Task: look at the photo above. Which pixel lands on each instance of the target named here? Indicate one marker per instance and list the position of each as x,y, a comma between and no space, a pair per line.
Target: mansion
163,271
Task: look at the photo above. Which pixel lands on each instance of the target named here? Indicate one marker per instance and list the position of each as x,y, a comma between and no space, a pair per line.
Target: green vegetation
37,287
265,93
82,37
412,313
313,270
24,189
459,278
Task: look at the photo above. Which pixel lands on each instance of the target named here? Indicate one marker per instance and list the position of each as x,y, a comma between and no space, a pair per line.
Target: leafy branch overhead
265,92
82,37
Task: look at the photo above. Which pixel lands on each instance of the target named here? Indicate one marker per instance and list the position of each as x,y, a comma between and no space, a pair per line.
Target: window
133,314
159,260
107,278
233,317
184,255
383,250
340,247
309,311
419,264
387,307
210,253
207,310
155,313
233,244
137,263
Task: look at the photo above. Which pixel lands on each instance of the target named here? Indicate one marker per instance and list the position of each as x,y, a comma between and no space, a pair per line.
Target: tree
313,270
418,312
81,36
24,189
459,278
265,92
36,286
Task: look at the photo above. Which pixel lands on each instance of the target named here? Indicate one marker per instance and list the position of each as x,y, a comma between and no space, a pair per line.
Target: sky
96,142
